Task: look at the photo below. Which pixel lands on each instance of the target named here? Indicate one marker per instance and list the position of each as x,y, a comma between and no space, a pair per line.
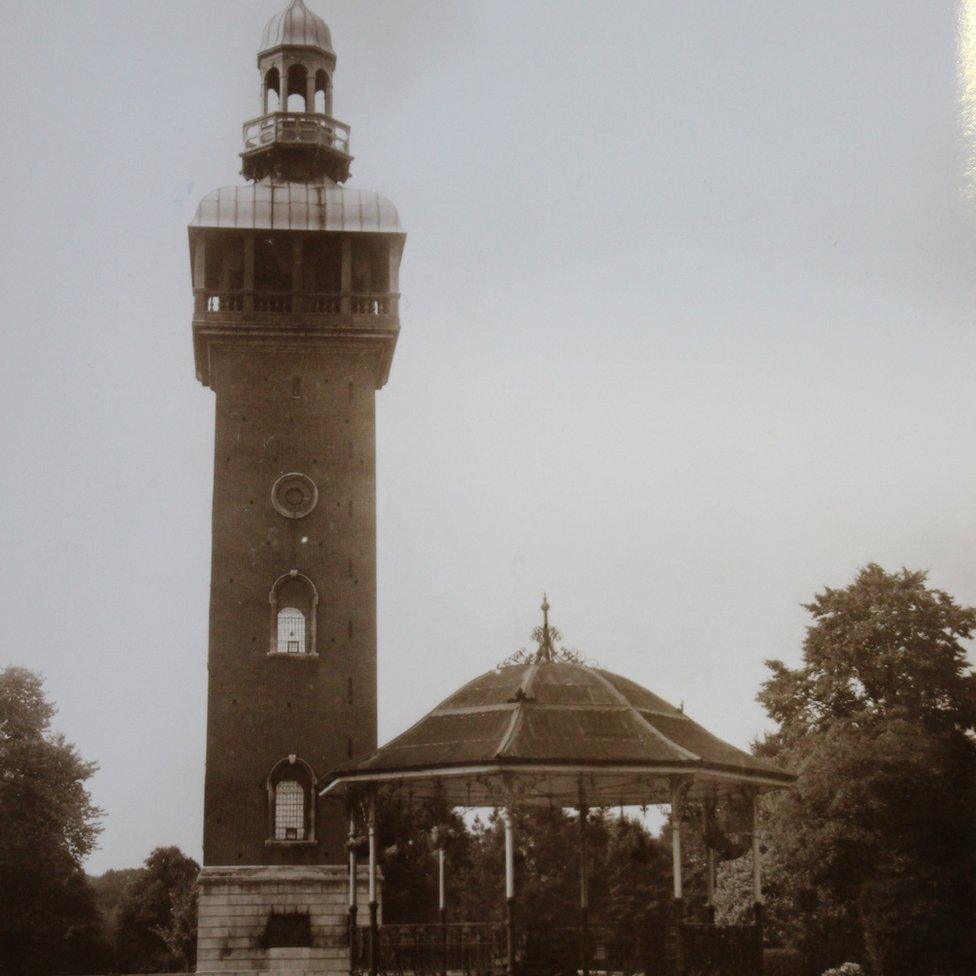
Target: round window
294,495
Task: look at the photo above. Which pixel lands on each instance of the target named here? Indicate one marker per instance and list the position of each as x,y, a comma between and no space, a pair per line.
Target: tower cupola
297,26
296,137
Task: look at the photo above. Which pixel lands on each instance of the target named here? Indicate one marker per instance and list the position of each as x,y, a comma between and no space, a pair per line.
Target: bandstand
553,732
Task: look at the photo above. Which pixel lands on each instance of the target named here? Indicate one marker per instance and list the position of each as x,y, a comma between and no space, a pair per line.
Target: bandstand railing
731,950
559,950
479,949
472,949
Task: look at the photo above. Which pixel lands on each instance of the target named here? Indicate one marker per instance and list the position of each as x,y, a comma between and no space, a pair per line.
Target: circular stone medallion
294,495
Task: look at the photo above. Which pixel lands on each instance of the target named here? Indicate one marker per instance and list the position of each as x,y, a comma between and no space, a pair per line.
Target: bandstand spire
547,653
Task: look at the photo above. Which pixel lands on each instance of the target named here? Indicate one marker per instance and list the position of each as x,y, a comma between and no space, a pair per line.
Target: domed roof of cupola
297,26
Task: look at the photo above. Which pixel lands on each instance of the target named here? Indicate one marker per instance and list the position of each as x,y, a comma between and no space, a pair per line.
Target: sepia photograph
488,488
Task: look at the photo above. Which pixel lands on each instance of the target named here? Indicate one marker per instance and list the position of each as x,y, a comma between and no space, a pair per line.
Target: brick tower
295,282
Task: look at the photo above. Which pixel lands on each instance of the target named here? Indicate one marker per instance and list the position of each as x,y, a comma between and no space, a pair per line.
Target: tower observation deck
294,252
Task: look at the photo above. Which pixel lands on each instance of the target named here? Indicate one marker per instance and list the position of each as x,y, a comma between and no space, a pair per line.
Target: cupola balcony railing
224,303
296,129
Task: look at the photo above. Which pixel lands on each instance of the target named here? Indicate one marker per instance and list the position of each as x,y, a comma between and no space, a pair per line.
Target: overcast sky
687,335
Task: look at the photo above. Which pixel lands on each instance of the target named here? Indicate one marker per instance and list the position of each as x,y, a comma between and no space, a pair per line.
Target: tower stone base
277,919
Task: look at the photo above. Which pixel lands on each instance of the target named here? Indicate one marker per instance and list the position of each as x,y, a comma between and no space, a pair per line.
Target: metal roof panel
322,206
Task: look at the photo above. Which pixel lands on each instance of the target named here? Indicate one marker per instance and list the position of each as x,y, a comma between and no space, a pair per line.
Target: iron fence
471,949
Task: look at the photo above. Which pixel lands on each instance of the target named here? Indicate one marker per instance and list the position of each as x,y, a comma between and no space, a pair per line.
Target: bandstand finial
546,652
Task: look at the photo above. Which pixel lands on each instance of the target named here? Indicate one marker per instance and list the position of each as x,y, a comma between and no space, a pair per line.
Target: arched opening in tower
321,93
272,85
298,89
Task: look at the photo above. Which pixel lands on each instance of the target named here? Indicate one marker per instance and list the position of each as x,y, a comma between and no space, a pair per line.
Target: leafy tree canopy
156,924
110,891
48,919
871,858
885,646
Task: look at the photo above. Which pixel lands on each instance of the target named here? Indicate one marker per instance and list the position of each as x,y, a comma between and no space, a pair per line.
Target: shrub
782,962
846,969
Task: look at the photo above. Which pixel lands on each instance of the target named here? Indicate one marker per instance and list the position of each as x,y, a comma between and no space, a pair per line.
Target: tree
884,646
638,869
49,922
110,891
871,854
410,833
179,933
156,920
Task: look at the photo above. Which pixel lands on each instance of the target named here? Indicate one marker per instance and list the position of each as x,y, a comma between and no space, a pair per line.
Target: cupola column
310,93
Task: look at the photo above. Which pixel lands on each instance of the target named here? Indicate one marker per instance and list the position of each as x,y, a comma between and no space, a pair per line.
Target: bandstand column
353,889
374,934
584,921
441,884
757,893
678,790
442,905
710,881
509,889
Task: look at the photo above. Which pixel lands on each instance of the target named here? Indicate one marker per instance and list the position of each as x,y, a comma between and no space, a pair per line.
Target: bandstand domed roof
560,724
297,26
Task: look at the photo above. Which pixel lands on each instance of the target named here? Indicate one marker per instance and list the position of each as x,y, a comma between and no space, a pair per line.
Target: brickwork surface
283,409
